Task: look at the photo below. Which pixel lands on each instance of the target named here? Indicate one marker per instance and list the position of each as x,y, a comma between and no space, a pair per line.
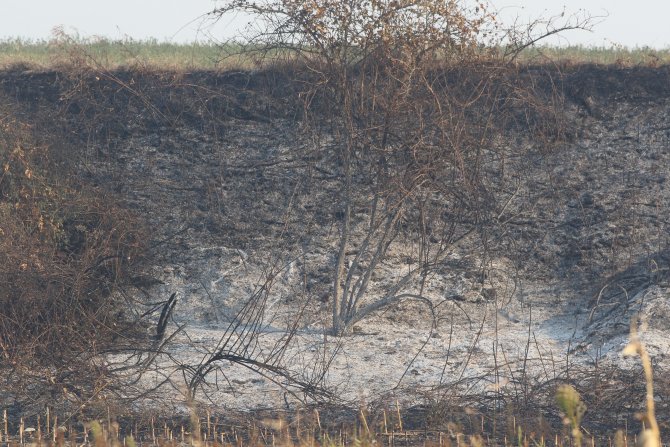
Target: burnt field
171,236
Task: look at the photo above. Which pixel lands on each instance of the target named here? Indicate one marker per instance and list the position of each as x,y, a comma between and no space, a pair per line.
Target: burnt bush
66,247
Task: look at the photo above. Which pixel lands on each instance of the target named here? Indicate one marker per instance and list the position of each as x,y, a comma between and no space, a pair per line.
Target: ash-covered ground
226,179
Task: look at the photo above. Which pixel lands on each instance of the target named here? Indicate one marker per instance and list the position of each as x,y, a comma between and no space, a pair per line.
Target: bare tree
413,93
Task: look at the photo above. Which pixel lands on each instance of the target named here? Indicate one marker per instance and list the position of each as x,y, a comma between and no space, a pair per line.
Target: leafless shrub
415,98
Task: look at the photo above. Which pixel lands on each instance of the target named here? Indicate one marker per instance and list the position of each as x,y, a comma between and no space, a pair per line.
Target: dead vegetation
66,247
405,152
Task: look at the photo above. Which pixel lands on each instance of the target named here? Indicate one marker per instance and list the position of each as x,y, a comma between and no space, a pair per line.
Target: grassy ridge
599,55
112,54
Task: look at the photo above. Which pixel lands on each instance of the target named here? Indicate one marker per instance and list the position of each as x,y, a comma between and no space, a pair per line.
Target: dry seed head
570,403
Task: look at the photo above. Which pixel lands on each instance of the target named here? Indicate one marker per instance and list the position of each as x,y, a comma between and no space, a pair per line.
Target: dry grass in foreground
308,428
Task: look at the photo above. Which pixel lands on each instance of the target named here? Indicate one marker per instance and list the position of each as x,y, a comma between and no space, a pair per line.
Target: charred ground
217,170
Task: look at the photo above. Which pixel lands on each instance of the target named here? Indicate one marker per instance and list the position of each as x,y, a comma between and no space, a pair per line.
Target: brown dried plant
65,249
650,435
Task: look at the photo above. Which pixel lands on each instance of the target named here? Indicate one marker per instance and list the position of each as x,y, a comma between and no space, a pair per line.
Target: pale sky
629,22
